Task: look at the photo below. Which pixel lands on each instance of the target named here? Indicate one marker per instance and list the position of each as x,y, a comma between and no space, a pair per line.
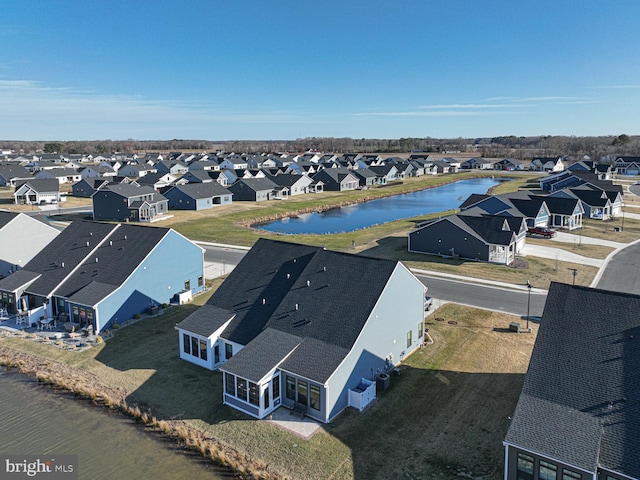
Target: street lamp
574,271
529,287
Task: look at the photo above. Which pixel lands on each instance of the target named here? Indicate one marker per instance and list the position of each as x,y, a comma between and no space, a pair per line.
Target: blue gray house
128,202
578,415
305,327
101,274
495,239
197,196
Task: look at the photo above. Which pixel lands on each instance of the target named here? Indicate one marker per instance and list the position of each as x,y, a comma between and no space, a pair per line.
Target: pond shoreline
86,386
256,223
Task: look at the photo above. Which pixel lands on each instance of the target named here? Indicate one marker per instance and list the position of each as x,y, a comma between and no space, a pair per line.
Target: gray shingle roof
582,389
321,296
203,190
41,185
117,258
6,217
119,250
264,353
17,280
206,320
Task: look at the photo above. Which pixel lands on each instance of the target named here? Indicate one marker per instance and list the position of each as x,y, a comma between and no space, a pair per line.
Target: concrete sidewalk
577,239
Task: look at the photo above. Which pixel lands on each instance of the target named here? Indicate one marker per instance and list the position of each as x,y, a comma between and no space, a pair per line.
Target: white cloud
31,108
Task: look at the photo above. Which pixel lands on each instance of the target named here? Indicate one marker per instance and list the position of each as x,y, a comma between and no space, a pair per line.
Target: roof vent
110,243
87,244
62,264
288,276
91,234
96,259
295,260
308,283
296,306
125,237
264,301
324,269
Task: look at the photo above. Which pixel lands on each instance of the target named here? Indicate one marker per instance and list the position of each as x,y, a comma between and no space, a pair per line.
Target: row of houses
93,273
493,228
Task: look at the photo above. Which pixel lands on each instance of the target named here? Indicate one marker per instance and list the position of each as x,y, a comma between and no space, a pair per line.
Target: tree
52,147
621,140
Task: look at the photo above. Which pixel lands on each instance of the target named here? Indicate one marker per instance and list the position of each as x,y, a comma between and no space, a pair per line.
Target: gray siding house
126,202
197,196
302,327
253,189
578,415
494,239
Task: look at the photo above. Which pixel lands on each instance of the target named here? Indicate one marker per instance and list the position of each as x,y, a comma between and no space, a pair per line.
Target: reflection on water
383,210
37,421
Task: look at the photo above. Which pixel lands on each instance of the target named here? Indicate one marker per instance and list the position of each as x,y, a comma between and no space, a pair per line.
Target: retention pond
382,210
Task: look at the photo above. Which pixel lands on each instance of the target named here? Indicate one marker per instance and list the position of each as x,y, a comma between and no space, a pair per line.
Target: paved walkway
303,427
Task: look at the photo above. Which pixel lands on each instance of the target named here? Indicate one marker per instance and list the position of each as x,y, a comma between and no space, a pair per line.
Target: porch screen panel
314,396
242,389
230,384
203,350
254,394
303,392
186,341
291,388
276,387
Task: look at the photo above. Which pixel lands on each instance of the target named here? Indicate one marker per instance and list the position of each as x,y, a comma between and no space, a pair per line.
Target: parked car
542,232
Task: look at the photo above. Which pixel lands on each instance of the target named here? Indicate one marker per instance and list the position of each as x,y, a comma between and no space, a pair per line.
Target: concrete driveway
555,253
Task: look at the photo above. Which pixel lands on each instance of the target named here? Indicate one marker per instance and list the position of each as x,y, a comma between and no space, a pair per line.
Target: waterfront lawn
446,413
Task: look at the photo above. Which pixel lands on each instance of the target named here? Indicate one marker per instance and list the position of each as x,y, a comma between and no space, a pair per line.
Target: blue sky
226,70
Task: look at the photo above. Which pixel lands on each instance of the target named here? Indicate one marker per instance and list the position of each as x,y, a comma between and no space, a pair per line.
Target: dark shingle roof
263,354
492,228
119,250
68,249
206,320
17,280
6,217
203,190
559,205
108,266
303,291
582,389
41,185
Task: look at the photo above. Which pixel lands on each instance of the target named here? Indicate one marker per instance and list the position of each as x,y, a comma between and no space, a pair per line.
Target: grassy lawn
445,413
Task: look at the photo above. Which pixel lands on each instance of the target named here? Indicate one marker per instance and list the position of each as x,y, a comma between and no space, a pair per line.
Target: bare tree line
496,147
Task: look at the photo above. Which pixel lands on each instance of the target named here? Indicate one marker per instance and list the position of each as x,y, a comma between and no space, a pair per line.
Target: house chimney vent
288,276
308,283
264,301
87,244
62,264
110,243
96,259
296,306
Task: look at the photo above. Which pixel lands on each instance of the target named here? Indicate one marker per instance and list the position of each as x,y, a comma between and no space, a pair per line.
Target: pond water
383,210
36,420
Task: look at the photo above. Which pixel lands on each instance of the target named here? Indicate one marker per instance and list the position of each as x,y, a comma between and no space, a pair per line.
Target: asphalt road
220,260
483,296
622,273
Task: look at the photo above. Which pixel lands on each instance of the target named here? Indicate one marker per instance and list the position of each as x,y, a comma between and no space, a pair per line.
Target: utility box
515,327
